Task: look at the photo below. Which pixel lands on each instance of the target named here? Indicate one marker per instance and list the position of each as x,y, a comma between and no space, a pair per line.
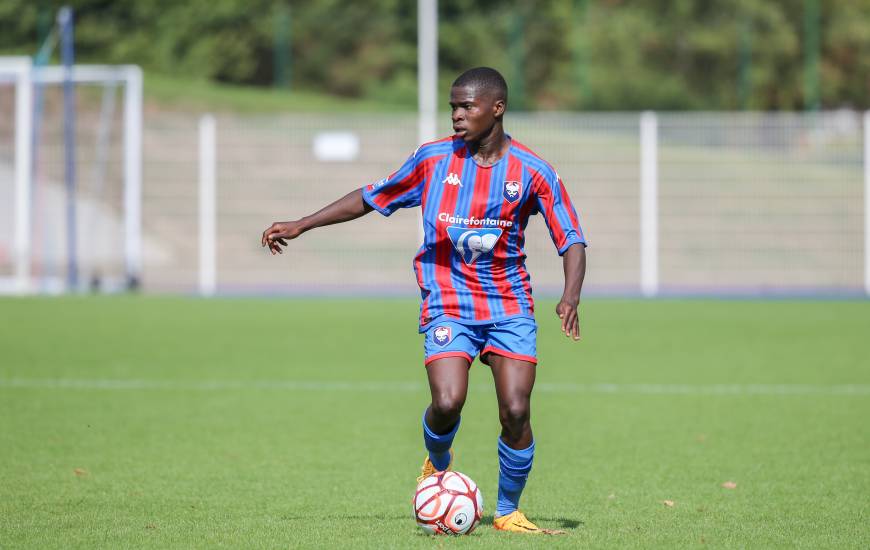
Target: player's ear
499,107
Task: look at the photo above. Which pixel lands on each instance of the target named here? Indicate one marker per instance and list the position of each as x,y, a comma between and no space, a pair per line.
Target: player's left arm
567,235
574,264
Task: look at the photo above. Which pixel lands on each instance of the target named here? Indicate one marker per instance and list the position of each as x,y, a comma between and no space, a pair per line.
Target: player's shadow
563,523
560,523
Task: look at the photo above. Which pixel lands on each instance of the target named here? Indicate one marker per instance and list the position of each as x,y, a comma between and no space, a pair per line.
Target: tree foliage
590,54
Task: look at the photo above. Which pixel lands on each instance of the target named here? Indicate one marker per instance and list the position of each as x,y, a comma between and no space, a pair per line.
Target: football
448,503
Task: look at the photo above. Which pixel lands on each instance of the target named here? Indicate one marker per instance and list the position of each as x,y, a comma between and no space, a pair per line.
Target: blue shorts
515,338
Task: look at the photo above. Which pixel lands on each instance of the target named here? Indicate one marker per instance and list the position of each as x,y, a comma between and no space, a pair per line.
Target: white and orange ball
448,503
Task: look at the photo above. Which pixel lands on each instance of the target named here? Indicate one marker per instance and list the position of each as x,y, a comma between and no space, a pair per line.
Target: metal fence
761,203
747,203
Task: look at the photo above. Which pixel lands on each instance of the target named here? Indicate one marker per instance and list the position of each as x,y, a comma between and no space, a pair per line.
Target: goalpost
21,74
17,70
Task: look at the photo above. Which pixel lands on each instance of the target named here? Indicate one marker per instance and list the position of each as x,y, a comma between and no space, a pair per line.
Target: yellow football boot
517,522
429,468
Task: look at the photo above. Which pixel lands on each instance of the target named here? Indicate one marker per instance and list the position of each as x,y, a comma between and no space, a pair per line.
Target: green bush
592,54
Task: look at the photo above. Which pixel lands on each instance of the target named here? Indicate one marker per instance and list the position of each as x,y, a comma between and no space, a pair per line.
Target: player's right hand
276,235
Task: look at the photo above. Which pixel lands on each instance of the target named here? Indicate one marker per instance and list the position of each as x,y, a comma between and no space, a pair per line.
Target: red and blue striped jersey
471,265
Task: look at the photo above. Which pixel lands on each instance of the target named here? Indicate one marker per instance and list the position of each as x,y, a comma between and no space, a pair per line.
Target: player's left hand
567,312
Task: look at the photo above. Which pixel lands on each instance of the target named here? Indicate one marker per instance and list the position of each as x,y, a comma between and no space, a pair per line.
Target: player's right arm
349,207
403,189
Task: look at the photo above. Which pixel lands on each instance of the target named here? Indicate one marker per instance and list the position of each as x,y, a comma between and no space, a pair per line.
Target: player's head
478,99
485,80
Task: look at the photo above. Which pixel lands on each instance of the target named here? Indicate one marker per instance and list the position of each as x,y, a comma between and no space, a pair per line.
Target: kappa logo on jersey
452,179
442,335
472,243
513,190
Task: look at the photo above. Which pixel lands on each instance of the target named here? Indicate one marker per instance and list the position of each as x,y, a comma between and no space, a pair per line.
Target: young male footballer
477,189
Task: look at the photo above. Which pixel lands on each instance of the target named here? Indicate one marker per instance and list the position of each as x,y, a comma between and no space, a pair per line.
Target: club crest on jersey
442,335
513,190
472,243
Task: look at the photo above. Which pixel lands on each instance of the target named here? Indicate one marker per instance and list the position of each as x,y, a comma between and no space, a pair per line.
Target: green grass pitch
174,422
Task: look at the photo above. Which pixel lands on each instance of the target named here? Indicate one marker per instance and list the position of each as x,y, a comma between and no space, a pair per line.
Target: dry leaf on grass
81,472
668,503
729,485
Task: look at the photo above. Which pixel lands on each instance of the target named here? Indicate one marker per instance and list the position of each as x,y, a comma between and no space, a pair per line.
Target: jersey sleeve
402,189
559,214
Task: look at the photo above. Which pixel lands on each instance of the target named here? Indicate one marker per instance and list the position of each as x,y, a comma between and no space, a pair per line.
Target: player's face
474,112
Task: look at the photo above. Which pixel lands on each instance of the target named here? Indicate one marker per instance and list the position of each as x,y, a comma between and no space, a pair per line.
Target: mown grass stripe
314,385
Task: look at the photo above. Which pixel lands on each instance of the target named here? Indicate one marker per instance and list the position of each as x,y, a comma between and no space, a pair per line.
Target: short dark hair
484,78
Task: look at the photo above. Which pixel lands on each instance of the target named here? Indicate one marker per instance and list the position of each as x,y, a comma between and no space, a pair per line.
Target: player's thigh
450,347
448,381
514,380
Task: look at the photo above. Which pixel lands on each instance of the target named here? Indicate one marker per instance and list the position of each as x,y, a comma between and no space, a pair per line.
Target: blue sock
438,445
514,467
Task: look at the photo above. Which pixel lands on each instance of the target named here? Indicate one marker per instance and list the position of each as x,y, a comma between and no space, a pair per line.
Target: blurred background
716,148
712,148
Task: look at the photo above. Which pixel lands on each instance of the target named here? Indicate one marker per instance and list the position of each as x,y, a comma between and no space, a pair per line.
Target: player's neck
491,148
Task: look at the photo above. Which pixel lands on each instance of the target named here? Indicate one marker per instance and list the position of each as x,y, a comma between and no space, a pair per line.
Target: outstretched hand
567,312
276,235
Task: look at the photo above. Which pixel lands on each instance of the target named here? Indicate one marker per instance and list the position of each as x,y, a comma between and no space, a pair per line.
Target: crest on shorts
512,190
442,335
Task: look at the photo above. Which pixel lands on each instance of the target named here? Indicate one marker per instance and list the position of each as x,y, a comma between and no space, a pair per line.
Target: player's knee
515,415
447,407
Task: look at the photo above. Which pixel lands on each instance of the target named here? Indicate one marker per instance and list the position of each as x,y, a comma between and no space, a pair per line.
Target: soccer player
477,190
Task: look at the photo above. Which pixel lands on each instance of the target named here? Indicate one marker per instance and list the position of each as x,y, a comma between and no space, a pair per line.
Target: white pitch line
543,387
709,389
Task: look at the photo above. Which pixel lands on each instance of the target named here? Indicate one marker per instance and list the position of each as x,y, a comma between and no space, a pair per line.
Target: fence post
133,176
427,68
867,202
207,207
23,172
649,238
427,78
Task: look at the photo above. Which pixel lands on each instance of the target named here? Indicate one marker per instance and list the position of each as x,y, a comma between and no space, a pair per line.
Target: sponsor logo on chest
470,243
452,179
